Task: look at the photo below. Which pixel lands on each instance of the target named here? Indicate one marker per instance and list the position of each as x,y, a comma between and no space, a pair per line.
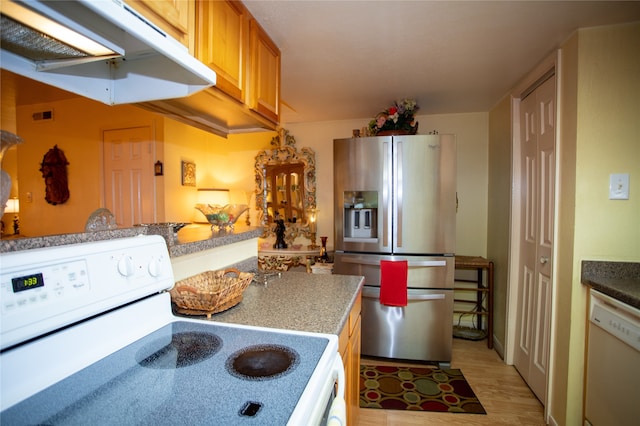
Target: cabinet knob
544,259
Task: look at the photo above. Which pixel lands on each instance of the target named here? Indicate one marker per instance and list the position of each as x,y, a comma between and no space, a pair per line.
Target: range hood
141,62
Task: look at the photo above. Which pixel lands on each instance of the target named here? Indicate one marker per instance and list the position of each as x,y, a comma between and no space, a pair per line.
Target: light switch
619,186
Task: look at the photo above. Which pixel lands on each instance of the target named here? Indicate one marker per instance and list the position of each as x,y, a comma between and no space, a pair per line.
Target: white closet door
537,144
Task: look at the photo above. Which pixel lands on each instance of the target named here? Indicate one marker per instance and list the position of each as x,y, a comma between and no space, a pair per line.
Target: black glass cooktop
183,373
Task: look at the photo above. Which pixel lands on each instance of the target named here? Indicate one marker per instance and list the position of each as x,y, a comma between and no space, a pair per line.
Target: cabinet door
221,43
172,16
264,96
352,397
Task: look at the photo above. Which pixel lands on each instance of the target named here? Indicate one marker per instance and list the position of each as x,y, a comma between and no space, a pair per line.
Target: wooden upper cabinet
222,43
264,75
173,16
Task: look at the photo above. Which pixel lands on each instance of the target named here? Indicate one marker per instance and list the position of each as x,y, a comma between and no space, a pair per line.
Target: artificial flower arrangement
400,117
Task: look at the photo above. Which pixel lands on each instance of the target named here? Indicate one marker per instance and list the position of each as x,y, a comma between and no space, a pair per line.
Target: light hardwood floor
500,389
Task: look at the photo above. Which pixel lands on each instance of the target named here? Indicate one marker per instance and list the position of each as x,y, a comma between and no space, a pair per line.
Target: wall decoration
188,173
54,171
296,170
157,168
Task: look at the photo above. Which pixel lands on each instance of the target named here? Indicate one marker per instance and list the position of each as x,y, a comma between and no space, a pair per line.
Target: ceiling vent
43,115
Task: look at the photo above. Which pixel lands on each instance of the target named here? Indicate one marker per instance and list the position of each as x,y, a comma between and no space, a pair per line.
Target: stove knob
155,267
126,266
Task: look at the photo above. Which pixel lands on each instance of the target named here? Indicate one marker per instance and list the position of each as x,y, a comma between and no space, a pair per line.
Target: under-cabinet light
54,30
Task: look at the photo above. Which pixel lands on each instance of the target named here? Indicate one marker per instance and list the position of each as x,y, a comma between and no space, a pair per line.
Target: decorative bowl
222,217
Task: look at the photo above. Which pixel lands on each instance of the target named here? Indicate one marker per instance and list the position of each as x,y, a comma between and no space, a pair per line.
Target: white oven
88,337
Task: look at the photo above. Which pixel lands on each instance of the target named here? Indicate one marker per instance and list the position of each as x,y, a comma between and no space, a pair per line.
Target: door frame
551,64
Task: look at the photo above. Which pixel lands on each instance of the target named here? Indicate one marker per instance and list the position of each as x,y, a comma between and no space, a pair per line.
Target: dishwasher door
613,363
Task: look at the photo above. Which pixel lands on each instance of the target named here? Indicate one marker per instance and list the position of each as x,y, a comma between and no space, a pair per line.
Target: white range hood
144,63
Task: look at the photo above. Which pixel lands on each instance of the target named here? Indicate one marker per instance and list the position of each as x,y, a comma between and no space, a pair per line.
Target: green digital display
27,282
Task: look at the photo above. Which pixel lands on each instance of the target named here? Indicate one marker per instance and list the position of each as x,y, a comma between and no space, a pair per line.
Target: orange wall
77,130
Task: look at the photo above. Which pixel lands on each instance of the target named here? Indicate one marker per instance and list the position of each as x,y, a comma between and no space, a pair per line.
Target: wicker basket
210,292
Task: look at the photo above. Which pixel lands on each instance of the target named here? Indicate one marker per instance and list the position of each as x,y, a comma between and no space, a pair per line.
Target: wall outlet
619,186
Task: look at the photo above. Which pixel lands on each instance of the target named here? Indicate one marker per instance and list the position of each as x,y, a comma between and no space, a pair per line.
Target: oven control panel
45,289
37,287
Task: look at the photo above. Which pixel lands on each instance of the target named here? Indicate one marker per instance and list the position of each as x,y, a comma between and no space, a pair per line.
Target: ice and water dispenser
360,214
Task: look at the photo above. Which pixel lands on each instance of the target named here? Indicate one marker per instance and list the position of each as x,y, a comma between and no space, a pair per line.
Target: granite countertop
317,303
191,239
195,238
620,280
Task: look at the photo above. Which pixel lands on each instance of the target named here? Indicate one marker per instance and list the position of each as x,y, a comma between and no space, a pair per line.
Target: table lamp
13,206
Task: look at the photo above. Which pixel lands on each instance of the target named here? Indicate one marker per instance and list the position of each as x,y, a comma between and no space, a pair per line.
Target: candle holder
248,194
312,217
324,256
313,244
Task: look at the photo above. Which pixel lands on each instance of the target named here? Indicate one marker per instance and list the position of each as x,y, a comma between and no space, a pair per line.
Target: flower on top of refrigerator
399,116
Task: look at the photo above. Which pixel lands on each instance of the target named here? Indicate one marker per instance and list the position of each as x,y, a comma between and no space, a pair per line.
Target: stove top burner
185,349
262,362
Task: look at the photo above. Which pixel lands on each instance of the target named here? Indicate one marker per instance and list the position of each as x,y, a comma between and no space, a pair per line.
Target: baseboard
498,346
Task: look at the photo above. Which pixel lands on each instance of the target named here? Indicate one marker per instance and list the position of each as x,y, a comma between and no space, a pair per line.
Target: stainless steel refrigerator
395,199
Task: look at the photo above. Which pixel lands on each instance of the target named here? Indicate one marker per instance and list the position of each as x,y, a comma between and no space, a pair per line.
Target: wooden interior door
128,175
537,147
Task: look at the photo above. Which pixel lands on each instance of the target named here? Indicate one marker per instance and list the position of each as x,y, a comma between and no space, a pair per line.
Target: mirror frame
284,152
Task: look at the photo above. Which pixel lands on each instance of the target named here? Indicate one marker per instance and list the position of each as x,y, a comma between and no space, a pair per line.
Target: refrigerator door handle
365,261
398,201
426,297
386,182
374,293
428,263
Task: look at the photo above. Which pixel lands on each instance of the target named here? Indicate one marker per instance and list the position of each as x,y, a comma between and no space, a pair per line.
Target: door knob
544,259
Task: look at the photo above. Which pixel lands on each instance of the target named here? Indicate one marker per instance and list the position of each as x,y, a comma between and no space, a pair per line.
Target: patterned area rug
417,388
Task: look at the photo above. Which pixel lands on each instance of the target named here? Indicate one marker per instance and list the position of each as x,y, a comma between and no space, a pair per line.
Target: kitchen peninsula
191,239
195,248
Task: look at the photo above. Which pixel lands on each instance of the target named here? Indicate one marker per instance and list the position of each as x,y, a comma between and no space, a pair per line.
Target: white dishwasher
613,363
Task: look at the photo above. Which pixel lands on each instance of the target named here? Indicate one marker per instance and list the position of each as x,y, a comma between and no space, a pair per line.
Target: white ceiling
352,59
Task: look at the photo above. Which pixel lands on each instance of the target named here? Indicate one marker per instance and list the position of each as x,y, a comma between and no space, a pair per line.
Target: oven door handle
338,411
338,376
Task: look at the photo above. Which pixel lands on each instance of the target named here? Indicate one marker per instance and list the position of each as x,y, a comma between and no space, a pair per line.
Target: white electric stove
88,337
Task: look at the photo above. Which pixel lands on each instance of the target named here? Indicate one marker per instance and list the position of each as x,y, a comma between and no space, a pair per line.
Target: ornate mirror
285,185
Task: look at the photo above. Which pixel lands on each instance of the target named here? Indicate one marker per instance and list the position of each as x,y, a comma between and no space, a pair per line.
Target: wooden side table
480,264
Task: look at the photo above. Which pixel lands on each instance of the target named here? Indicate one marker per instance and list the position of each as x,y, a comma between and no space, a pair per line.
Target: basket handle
228,270
188,288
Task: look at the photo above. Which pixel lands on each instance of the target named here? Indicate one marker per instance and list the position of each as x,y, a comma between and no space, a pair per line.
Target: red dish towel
393,282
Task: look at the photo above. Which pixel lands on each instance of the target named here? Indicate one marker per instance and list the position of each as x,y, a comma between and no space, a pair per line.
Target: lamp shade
13,206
